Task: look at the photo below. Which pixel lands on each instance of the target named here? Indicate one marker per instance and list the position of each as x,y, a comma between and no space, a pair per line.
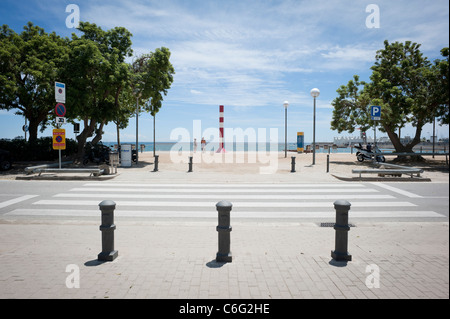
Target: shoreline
321,147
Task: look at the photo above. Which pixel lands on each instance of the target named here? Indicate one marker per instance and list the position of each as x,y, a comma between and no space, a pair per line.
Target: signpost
59,139
61,120
59,135
60,110
60,92
375,113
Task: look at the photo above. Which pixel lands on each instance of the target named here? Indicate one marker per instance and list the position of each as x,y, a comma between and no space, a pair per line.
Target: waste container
125,155
114,161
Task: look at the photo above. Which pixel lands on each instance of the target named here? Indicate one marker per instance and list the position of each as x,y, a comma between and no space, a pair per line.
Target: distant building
346,141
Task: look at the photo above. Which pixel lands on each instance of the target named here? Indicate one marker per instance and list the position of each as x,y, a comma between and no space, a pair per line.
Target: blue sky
249,55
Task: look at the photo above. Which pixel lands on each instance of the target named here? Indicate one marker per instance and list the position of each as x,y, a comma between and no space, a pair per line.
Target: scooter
96,154
364,154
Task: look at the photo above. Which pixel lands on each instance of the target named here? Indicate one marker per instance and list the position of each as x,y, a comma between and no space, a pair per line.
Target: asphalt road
78,200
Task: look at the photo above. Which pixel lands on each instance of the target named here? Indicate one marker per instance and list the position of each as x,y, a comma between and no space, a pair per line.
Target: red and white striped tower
221,144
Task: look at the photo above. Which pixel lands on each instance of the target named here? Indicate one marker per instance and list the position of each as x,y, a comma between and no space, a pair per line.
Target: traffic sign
60,92
60,110
61,120
59,139
375,113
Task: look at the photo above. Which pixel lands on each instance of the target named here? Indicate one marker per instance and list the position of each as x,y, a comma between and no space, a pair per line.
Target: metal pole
375,134
328,163
59,151
137,125
154,134
434,133
314,133
285,132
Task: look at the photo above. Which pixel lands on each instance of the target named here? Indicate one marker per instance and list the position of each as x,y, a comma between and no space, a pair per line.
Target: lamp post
286,104
314,93
137,129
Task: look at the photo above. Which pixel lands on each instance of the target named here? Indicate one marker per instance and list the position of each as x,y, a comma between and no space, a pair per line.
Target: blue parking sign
375,113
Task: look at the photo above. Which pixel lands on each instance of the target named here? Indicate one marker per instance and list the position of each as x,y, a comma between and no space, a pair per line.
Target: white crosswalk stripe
249,201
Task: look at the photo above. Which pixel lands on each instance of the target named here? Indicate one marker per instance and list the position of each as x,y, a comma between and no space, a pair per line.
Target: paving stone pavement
176,259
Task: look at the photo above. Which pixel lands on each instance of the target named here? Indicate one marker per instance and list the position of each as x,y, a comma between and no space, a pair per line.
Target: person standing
203,144
195,145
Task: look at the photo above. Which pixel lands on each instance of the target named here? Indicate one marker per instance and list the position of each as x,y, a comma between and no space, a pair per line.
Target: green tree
152,77
126,110
406,86
30,63
96,77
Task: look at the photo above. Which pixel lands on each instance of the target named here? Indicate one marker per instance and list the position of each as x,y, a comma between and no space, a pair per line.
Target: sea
236,147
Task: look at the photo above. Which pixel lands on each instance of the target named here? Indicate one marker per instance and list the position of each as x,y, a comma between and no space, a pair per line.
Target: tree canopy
407,86
30,63
100,84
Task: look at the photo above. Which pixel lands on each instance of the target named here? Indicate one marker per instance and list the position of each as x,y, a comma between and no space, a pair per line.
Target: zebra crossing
249,201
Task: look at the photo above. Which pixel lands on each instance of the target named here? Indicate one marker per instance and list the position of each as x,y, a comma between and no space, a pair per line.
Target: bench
393,169
91,171
382,172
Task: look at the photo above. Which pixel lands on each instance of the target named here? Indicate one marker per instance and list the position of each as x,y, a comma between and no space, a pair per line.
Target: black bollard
190,164
342,227
328,163
293,164
107,228
155,169
224,229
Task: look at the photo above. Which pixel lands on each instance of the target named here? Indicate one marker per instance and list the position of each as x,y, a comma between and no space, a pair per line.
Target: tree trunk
118,136
408,148
33,126
84,135
32,130
99,134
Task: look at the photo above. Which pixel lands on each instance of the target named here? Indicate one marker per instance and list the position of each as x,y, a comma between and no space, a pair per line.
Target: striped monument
221,144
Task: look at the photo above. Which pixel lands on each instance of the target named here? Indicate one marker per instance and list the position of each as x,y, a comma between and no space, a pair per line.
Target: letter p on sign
375,113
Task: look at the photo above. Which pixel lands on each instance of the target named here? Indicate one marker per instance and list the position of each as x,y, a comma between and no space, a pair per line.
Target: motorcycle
365,154
96,153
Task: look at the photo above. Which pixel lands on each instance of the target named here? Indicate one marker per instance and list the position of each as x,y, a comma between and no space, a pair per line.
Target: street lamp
314,93
286,104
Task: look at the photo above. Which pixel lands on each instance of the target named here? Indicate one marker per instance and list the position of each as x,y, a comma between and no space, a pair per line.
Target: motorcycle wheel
360,158
381,159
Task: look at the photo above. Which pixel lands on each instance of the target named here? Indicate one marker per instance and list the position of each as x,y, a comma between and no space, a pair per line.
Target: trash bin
114,161
125,155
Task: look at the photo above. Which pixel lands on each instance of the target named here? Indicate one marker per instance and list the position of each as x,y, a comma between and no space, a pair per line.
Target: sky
248,55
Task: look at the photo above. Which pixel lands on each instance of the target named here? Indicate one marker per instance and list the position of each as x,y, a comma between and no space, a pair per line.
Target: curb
382,179
66,178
